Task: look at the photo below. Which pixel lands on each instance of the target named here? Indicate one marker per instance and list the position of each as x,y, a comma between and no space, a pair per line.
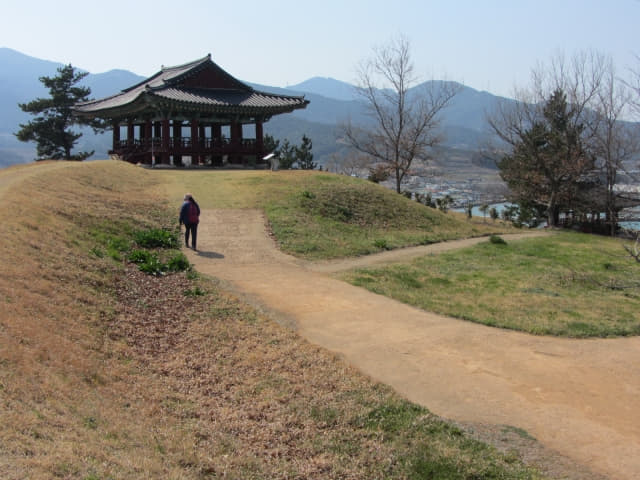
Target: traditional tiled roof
200,86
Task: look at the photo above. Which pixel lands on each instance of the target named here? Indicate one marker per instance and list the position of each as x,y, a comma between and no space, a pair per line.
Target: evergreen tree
304,157
271,145
286,155
54,117
549,161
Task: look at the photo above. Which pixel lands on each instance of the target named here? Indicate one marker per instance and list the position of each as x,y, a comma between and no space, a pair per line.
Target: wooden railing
184,145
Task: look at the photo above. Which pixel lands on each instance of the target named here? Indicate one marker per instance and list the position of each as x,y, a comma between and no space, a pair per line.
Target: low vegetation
107,372
319,215
152,249
566,284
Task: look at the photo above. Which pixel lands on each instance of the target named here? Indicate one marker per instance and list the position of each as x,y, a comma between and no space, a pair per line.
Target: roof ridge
185,65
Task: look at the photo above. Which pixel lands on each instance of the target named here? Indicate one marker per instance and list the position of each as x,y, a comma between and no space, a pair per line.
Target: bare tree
634,85
349,163
405,120
580,79
614,141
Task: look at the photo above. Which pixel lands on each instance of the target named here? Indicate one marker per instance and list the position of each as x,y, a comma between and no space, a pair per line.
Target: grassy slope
107,373
319,215
567,284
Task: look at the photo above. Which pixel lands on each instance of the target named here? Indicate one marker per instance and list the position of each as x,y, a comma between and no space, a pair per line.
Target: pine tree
54,117
271,145
286,155
304,157
549,161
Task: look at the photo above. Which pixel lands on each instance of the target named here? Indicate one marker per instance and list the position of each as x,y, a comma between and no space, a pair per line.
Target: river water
475,211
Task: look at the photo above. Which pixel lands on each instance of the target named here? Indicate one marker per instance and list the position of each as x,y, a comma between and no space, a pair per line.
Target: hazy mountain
332,103
322,109
111,82
19,83
327,87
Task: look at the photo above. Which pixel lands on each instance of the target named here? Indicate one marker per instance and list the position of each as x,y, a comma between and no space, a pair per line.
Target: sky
488,45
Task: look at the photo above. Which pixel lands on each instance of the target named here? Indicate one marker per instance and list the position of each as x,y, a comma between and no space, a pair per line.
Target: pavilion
194,110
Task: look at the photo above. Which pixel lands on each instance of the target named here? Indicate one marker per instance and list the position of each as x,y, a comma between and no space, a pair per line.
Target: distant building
194,110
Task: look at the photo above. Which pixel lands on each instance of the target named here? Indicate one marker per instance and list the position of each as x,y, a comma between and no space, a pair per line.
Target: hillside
106,372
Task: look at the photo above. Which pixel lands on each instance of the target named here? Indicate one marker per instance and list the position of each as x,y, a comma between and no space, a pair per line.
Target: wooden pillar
259,140
177,142
216,143
116,135
233,130
176,131
130,132
241,157
195,144
236,141
216,134
166,134
148,141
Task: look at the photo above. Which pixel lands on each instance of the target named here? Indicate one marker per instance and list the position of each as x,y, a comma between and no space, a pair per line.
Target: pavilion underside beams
178,142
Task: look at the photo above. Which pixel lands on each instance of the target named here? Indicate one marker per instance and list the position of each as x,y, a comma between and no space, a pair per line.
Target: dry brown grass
56,378
109,373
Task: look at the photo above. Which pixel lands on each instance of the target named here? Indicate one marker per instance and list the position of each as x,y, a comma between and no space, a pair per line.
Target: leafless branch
405,119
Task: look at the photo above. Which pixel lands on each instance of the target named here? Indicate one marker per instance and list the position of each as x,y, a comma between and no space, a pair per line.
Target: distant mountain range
332,102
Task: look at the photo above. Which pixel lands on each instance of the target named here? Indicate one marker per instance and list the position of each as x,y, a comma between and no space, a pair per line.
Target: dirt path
578,397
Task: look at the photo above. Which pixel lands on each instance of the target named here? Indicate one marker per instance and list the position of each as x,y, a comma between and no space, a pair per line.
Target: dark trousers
191,228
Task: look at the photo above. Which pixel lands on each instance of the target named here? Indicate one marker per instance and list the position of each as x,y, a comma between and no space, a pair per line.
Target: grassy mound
318,215
106,372
567,284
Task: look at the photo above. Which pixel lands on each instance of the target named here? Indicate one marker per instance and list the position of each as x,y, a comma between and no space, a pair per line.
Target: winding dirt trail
580,398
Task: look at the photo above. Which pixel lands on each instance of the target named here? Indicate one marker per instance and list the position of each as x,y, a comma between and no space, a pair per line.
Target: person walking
190,216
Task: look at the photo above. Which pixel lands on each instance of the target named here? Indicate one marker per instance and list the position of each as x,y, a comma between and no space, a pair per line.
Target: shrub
153,266
378,174
139,256
444,203
381,243
178,263
156,238
497,240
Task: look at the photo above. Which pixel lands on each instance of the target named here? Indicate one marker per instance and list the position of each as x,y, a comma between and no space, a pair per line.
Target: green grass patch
425,446
567,284
157,254
156,238
319,216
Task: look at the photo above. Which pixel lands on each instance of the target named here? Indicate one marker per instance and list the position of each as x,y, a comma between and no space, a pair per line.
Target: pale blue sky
488,45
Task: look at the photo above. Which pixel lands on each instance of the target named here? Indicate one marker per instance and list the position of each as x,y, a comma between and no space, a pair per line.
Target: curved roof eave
167,90
146,104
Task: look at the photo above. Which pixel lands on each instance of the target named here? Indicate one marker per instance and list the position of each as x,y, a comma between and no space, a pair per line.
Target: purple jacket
184,212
